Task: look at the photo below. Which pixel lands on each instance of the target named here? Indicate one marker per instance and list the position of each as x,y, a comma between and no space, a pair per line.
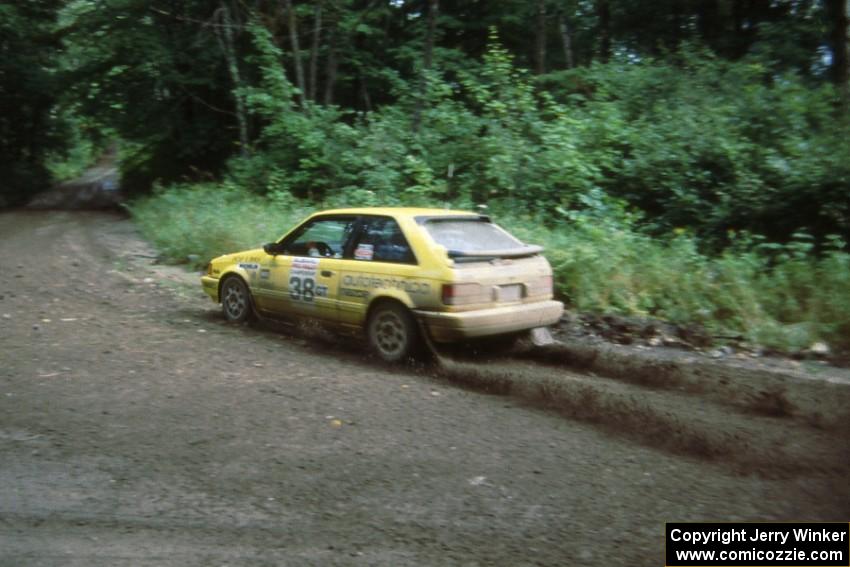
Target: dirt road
136,428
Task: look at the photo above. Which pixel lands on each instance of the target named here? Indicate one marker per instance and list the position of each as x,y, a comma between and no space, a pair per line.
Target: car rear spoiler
527,250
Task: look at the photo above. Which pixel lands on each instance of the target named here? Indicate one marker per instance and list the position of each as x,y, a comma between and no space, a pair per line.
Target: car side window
381,240
320,238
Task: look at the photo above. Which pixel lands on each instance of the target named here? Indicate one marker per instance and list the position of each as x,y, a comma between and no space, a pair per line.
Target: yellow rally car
394,273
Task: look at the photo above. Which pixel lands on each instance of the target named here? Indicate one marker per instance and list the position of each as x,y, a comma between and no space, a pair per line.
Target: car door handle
327,273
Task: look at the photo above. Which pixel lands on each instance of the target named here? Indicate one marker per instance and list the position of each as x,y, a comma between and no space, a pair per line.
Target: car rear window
470,235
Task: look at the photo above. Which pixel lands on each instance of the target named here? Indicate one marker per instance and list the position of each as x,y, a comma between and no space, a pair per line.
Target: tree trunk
837,14
603,11
708,21
540,39
567,42
331,66
314,50
224,35
364,93
433,8
427,60
296,51
676,28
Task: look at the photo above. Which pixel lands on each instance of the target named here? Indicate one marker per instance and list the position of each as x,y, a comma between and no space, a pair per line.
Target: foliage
153,73
87,141
713,145
27,85
691,141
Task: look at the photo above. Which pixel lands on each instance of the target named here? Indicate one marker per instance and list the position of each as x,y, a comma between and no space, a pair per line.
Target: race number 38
302,279
301,288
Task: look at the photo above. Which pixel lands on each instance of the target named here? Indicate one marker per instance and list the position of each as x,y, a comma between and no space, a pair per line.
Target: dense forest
663,133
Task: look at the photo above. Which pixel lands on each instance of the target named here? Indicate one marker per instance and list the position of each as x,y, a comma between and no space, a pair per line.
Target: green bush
194,223
689,141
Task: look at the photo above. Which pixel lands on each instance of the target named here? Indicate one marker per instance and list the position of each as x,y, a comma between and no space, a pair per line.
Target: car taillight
461,294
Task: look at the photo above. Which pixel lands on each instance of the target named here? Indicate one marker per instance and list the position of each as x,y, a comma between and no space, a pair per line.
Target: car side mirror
271,249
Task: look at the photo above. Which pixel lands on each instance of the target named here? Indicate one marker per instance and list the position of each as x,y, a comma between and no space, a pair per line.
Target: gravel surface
137,428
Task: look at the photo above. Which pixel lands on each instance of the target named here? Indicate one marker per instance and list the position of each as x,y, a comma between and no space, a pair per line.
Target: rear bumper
210,286
446,327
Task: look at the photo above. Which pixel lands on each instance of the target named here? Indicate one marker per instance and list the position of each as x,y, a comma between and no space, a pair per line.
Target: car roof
396,212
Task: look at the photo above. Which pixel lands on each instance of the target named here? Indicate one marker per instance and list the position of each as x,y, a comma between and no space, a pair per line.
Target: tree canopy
28,89
710,115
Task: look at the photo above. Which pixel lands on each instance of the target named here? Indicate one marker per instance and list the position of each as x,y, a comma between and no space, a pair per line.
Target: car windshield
470,235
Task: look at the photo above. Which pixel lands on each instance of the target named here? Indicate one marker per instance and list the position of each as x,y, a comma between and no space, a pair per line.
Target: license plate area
508,293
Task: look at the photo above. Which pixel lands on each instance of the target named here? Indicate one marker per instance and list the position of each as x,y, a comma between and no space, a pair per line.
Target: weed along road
137,428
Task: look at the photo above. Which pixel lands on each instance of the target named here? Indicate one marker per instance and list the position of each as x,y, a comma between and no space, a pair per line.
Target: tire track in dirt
816,394
666,415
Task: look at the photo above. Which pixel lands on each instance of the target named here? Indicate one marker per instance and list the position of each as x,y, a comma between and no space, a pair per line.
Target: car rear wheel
236,300
393,333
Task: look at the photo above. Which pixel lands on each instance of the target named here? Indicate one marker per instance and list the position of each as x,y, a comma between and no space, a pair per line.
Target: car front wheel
236,300
393,333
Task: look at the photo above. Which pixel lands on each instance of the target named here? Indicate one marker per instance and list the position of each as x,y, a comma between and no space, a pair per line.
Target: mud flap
540,336
430,347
